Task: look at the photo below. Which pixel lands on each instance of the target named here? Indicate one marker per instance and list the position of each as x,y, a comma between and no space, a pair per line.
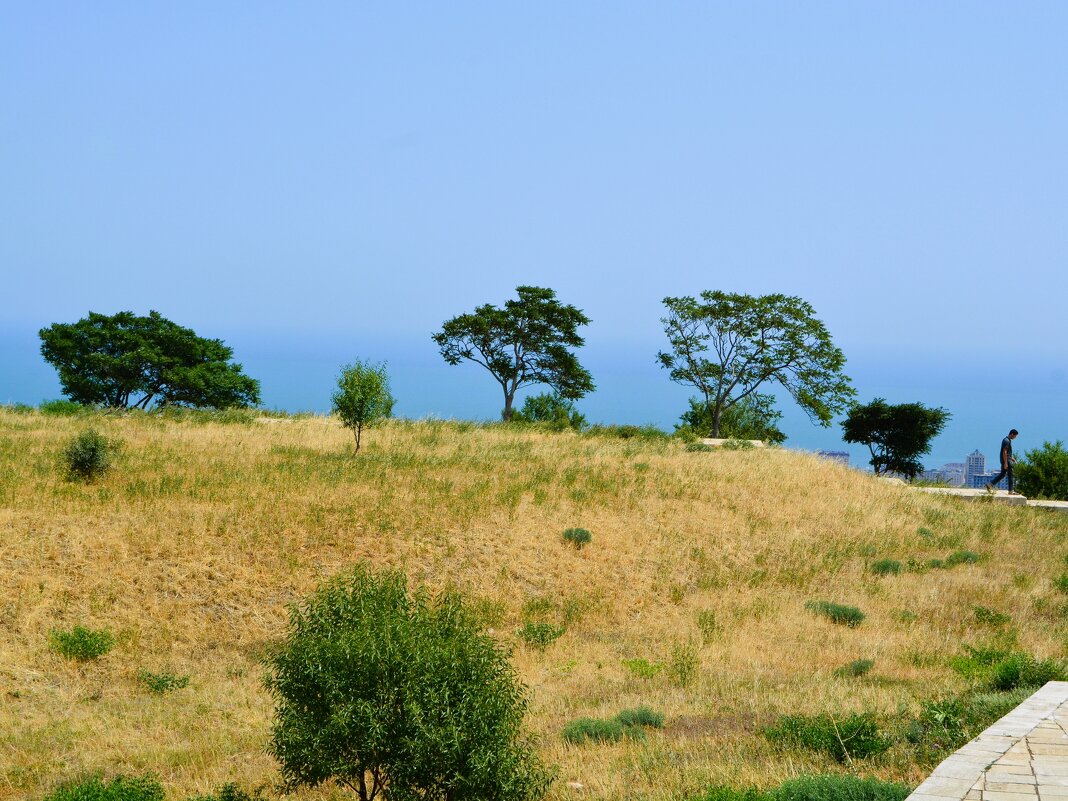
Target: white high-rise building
974,465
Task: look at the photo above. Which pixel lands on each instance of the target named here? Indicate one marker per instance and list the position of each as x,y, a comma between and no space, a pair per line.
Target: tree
362,397
728,345
524,343
1043,473
753,417
401,694
110,360
549,408
896,435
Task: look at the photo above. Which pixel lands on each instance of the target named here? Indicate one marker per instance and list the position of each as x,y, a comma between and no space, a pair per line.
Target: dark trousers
1007,471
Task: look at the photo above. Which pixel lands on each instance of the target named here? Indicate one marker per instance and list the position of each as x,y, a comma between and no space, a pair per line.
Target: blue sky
319,182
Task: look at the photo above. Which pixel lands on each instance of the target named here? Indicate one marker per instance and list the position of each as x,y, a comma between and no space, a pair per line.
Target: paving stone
1005,787
989,796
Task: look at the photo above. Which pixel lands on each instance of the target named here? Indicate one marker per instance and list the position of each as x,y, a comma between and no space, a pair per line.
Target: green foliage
551,410
752,417
108,360
362,398
578,537
160,683
990,617
1001,670
121,788
229,792
727,345
896,435
539,634
61,408
737,445
708,625
724,793
1061,583
88,456
81,644
962,558
838,788
526,342
628,723
642,668
641,716
376,687
885,567
854,736
684,663
1043,472
698,447
837,613
648,432
855,669
597,730
946,724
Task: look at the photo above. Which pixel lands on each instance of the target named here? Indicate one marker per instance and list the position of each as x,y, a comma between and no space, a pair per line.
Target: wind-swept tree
124,360
896,435
526,342
728,345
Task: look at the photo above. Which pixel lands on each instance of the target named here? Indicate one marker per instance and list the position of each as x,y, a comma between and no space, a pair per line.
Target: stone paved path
1022,757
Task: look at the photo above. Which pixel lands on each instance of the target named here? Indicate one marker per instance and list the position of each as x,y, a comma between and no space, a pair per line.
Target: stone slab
1000,496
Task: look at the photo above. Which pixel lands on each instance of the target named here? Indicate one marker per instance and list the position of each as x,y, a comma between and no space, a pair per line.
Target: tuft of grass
737,445
698,447
684,664
1061,583
62,408
88,456
837,613
81,644
641,716
597,730
962,558
847,738
578,537
838,788
160,683
990,617
1001,671
708,625
230,792
121,788
855,669
540,635
642,668
885,567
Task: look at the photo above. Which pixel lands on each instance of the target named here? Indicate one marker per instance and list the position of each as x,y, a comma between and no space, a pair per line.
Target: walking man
1007,461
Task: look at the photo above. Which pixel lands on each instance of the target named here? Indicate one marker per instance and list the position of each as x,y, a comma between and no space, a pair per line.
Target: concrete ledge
1054,506
1000,496
1022,757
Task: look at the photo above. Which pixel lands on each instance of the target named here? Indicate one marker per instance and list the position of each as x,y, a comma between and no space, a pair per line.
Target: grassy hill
701,564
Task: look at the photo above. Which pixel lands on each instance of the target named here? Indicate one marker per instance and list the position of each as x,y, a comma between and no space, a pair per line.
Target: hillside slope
192,548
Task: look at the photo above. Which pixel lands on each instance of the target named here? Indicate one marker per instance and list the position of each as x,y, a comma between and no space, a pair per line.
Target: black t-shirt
1006,450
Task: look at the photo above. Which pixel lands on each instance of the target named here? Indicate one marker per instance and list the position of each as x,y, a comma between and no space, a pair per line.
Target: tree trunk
357,432
717,415
508,411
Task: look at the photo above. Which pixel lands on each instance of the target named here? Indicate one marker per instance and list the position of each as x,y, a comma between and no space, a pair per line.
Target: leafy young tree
110,360
896,435
549,408
526,342
753,417
1043,472
728,345
362,397
398,694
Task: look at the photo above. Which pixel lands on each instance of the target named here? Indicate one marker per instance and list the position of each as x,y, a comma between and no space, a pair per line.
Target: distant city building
950,474
837,456
974,465
980,480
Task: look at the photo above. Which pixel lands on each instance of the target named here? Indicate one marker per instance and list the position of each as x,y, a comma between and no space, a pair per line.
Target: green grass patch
837,613
578,537
161,683
885,567
630,723
990,617
844,738
121,788
81,644
855,669
540,635
642,668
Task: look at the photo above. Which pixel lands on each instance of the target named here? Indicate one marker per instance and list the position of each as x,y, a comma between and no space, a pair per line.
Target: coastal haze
318,185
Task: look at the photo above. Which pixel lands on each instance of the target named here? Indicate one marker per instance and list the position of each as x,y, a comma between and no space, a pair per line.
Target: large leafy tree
896,435
1043,473
526,342
729,345
124,360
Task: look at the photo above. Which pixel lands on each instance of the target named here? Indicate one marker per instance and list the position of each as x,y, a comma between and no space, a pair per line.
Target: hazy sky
318,182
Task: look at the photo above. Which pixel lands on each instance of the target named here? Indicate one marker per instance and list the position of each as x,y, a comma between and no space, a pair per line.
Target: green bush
698,447
552,411
88,456
81,644
885,567
627,432
596,730
990,617
946,724
121,788
641,716
962,558
855,669
1023,670
642,668
1061,583
540,635
62,408
838,788
737,445
400,689
853,737
229,792
753,417
160,683
837,613
684,664
578,537
1043,473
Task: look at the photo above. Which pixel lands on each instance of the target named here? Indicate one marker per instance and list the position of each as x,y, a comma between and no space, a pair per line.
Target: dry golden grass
192,548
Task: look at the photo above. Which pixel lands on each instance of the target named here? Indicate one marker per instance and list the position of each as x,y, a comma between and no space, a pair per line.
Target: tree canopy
125,360
728,345
896,435
526,342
